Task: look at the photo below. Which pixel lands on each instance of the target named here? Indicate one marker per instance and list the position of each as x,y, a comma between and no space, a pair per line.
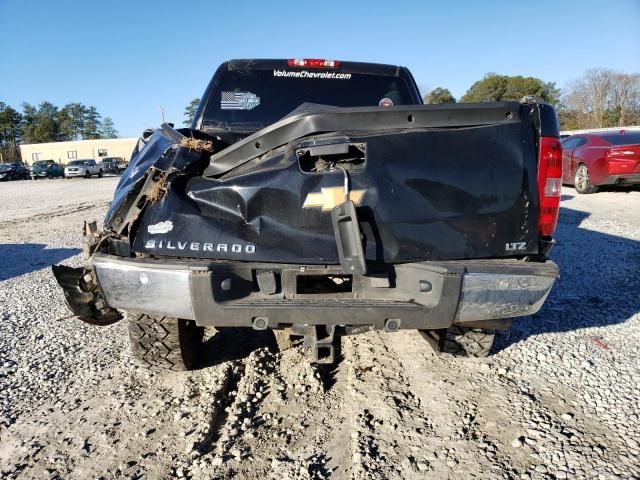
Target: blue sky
129,57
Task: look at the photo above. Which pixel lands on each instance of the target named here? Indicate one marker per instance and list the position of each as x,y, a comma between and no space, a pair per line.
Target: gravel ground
28,199
558,399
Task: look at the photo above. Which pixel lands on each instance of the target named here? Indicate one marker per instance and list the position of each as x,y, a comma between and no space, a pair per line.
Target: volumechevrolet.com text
307,74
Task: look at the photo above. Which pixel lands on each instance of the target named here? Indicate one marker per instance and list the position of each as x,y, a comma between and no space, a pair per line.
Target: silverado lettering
197,246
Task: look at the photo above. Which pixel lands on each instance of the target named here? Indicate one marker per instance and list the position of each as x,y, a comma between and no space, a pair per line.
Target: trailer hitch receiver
318,341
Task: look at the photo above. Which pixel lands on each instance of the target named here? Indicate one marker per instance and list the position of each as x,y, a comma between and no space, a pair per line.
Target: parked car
14,171
113,165
603,158
122,166
326,212
46,168
82,168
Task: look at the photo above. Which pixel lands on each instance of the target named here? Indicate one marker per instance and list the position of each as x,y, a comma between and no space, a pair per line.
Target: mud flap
83,297
348,238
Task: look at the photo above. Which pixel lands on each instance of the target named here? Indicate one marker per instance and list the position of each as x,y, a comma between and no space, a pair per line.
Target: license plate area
324,284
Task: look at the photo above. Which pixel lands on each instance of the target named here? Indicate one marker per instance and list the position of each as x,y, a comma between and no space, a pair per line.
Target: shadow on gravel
619,188
607,188
598,284
234,344
19,258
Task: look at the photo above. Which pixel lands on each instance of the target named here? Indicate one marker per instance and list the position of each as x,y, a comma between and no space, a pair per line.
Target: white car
82,168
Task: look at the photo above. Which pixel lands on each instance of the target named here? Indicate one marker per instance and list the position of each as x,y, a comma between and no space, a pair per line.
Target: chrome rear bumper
426,295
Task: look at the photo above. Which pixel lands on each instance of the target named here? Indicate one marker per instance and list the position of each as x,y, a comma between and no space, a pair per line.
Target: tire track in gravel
281,420
313,416
231,413
215,403
55,212
391,429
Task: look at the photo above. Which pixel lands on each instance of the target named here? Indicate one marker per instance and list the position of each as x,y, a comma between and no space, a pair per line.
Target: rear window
629,138
256,98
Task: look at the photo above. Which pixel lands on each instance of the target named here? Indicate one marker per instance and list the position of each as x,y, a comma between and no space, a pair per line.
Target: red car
604,158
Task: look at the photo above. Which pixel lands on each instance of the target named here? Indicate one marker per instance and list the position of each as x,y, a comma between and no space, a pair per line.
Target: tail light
627,152
549,184
313,63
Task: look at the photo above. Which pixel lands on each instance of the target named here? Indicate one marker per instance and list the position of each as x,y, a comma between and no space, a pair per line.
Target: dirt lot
559,399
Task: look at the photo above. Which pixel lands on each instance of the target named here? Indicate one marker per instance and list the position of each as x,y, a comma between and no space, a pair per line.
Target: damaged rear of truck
318,199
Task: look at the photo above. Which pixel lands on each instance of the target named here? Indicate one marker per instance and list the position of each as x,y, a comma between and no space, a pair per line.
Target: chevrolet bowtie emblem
331,197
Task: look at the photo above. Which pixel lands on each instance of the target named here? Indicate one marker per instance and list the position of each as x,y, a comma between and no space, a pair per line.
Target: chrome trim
145,288
487,296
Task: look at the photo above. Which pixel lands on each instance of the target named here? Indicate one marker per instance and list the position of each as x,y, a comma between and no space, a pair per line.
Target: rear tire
457,341
164,343
100,174
582,180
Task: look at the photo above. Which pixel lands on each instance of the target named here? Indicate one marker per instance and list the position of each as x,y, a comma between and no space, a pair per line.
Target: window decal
239,101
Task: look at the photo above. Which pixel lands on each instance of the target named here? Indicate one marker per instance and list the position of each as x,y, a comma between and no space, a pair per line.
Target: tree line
49,123
600,98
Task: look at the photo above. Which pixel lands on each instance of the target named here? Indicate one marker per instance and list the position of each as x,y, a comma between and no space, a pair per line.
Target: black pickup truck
320,198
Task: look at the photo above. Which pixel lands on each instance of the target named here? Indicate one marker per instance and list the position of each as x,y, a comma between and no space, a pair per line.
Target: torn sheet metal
168,155
83,295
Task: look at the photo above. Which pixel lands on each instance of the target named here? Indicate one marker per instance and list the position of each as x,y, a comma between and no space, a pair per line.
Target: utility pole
161,110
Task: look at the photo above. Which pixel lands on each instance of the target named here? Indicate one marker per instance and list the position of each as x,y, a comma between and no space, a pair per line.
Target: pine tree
190,111
107,128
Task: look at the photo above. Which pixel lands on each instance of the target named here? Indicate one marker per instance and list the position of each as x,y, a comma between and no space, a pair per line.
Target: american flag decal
239,101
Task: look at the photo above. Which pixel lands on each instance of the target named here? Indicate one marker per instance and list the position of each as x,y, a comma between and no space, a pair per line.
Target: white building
65,152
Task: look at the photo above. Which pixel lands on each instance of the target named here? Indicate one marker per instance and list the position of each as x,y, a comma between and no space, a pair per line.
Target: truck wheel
164,343
87,174
457,341
100,174
582,180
